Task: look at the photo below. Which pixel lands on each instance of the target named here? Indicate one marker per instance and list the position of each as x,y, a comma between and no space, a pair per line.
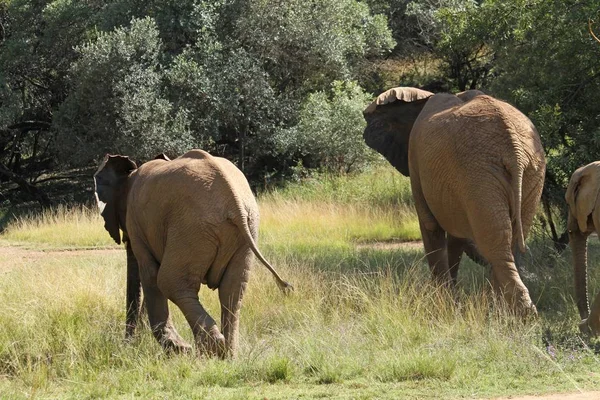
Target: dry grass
362,323
62,227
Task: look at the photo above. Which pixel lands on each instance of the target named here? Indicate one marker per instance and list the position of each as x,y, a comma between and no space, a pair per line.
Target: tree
117,101
548,69
330,129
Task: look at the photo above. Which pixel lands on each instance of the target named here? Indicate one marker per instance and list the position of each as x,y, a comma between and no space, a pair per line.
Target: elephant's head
111,181
584,218
390,119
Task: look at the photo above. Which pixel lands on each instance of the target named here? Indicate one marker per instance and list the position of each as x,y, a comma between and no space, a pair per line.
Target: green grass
364,322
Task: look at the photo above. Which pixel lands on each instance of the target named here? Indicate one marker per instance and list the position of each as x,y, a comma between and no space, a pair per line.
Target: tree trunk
242,155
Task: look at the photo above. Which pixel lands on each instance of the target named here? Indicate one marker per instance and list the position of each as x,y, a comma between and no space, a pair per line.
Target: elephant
584,218
186,222
476,167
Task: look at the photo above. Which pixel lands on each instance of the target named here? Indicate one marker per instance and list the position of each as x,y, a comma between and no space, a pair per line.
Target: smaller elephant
186,222
584,218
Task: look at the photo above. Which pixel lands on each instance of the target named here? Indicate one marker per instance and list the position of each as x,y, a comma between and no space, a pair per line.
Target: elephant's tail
242,224
517,192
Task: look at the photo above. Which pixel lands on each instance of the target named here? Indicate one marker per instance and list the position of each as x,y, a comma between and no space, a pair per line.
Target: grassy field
364,321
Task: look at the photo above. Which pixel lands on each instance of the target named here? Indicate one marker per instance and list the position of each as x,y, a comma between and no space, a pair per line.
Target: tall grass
61,227
363,322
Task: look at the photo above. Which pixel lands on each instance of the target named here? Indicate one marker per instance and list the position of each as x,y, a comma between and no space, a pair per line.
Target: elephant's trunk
133,293
578,243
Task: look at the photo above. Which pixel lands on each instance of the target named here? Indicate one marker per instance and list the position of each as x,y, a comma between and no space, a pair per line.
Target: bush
329,133
117,103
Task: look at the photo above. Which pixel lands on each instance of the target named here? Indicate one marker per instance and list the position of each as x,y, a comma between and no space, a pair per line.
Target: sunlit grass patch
304,223
364,320
381,186
368,325
75,227
335,211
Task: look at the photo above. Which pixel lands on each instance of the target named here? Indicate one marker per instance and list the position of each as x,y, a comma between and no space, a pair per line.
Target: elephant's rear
182,201
492,160
520,156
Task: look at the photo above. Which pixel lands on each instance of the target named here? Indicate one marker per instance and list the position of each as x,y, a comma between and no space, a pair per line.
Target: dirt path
417,244
13,256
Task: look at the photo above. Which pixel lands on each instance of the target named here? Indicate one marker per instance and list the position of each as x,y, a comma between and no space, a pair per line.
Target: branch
26,187
38,85
31,125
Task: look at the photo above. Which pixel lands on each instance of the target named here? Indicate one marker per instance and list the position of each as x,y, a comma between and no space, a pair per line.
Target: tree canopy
274,84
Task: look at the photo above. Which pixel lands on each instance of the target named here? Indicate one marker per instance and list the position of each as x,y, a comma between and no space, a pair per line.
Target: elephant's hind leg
158,308
181,285
493,236
231,291
507,282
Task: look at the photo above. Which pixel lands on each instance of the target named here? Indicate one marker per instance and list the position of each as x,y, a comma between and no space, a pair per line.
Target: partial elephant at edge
584,219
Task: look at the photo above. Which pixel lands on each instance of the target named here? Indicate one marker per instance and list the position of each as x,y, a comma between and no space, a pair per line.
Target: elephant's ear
390,118
469,95
582,195
162,156
109,181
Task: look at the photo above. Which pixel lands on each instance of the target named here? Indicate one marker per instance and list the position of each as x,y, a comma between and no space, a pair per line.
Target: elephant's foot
211,343
524,307
172,342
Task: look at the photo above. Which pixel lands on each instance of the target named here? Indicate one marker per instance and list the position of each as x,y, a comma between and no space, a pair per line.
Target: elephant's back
469,152
485,128
189,187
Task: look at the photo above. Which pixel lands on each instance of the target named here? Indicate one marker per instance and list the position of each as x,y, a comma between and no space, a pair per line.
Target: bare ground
390,245
12,257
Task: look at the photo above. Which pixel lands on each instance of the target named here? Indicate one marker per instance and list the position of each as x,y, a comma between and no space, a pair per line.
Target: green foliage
330,128
117,104
124,76
548,68
307,47
462,43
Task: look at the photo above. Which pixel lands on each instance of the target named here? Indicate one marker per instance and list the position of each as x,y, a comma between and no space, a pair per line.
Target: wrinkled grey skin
476,167
186,222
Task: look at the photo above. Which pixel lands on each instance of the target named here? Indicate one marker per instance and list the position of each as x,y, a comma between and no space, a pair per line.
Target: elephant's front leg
434,237
455,251
231,291
591,324
134,288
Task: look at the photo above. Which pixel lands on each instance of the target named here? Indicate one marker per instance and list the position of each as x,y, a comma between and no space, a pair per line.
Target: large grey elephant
185,222
476,167
584,219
